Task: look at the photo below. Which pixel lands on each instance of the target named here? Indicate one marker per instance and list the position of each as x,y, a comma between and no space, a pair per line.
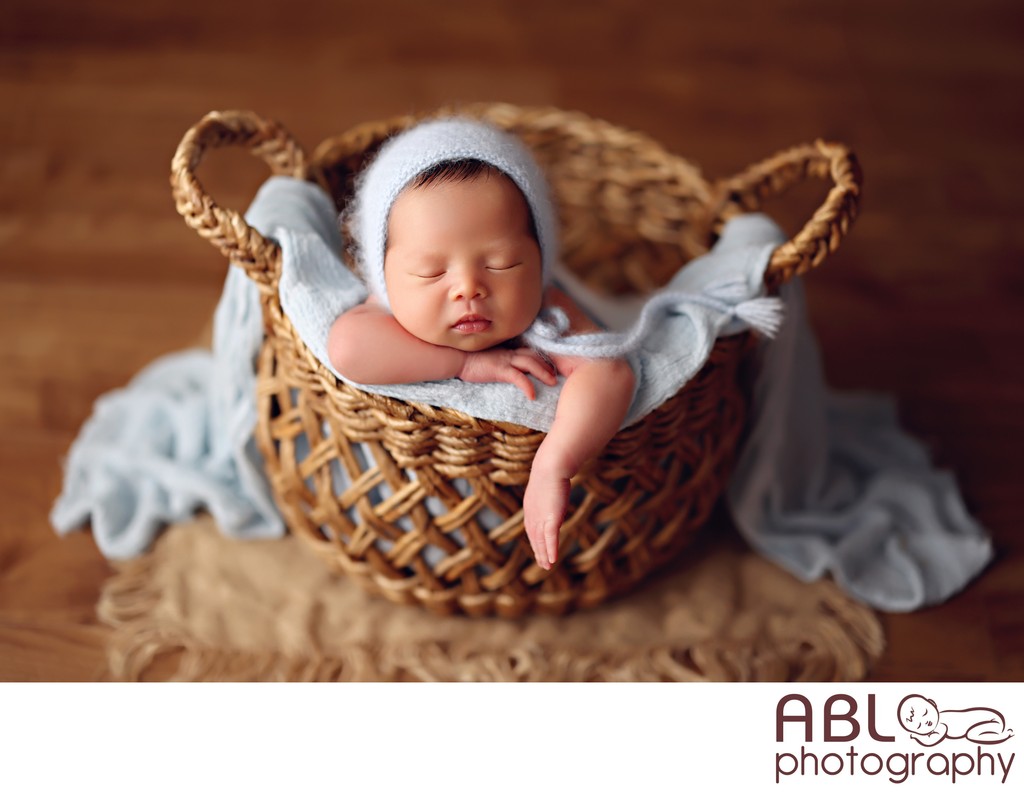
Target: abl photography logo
918,738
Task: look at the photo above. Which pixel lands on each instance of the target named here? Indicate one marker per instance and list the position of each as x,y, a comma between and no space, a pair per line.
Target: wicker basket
419,477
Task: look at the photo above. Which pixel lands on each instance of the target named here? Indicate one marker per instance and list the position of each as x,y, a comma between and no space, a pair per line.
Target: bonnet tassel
762,314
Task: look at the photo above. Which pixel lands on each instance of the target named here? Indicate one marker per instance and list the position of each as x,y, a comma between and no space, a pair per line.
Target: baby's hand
508,365
544,505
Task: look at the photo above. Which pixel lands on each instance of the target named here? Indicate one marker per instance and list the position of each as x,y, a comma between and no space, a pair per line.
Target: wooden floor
98,274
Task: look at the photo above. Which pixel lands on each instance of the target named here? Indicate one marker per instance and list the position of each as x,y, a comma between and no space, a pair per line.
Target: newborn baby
455,237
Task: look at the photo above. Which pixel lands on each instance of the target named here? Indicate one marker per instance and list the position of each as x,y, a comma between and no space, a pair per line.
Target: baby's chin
474,342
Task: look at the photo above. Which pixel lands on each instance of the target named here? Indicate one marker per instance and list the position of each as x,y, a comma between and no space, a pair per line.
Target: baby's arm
367,345
594,400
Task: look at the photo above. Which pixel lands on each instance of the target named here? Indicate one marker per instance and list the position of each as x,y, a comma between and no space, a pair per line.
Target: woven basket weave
429,509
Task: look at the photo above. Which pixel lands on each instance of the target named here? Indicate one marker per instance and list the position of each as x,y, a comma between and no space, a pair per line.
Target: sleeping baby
455,236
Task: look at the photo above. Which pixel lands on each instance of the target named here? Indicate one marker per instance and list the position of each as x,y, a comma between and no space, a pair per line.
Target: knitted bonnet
405,156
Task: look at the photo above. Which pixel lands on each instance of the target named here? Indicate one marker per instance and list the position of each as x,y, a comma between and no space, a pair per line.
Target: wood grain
98,275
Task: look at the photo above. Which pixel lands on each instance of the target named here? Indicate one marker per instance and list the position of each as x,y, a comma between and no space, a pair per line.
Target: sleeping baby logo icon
929,725
852,738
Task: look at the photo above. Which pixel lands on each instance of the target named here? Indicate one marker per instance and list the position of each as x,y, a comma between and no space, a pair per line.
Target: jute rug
211,608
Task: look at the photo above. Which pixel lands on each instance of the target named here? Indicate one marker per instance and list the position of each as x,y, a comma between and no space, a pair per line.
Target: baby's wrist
462,360
552,464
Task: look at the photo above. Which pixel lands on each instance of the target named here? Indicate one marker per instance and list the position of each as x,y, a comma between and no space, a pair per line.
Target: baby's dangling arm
595,398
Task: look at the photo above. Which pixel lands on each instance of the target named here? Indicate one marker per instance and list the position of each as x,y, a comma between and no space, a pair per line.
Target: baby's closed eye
504,267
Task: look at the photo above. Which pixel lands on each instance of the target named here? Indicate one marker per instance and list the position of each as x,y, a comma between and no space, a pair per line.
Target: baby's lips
472,323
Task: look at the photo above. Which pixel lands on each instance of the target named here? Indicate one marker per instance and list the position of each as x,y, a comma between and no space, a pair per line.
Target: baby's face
461,268
918,715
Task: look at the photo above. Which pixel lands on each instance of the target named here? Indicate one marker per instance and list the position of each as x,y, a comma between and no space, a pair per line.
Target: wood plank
38,649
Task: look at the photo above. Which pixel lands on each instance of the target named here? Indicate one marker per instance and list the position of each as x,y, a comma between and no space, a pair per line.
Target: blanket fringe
131,660
838,647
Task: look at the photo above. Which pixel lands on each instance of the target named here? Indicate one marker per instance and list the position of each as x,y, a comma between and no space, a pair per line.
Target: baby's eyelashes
435,274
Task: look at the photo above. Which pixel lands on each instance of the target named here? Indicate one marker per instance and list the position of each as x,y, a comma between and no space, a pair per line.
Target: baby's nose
468,285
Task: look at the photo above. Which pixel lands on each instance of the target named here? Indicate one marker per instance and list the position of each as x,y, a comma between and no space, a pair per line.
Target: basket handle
226,229
747,191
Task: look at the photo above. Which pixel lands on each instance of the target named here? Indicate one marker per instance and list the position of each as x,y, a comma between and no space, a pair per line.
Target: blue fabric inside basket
826,483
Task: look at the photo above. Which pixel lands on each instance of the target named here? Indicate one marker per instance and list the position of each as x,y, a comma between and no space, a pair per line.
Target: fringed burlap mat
212,608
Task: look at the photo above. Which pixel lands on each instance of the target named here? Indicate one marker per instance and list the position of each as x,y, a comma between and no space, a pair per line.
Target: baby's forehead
457,197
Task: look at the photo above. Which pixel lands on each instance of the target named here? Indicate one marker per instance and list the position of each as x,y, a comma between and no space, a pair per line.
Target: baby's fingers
521,381
550,540
544,505
531,363
535,535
